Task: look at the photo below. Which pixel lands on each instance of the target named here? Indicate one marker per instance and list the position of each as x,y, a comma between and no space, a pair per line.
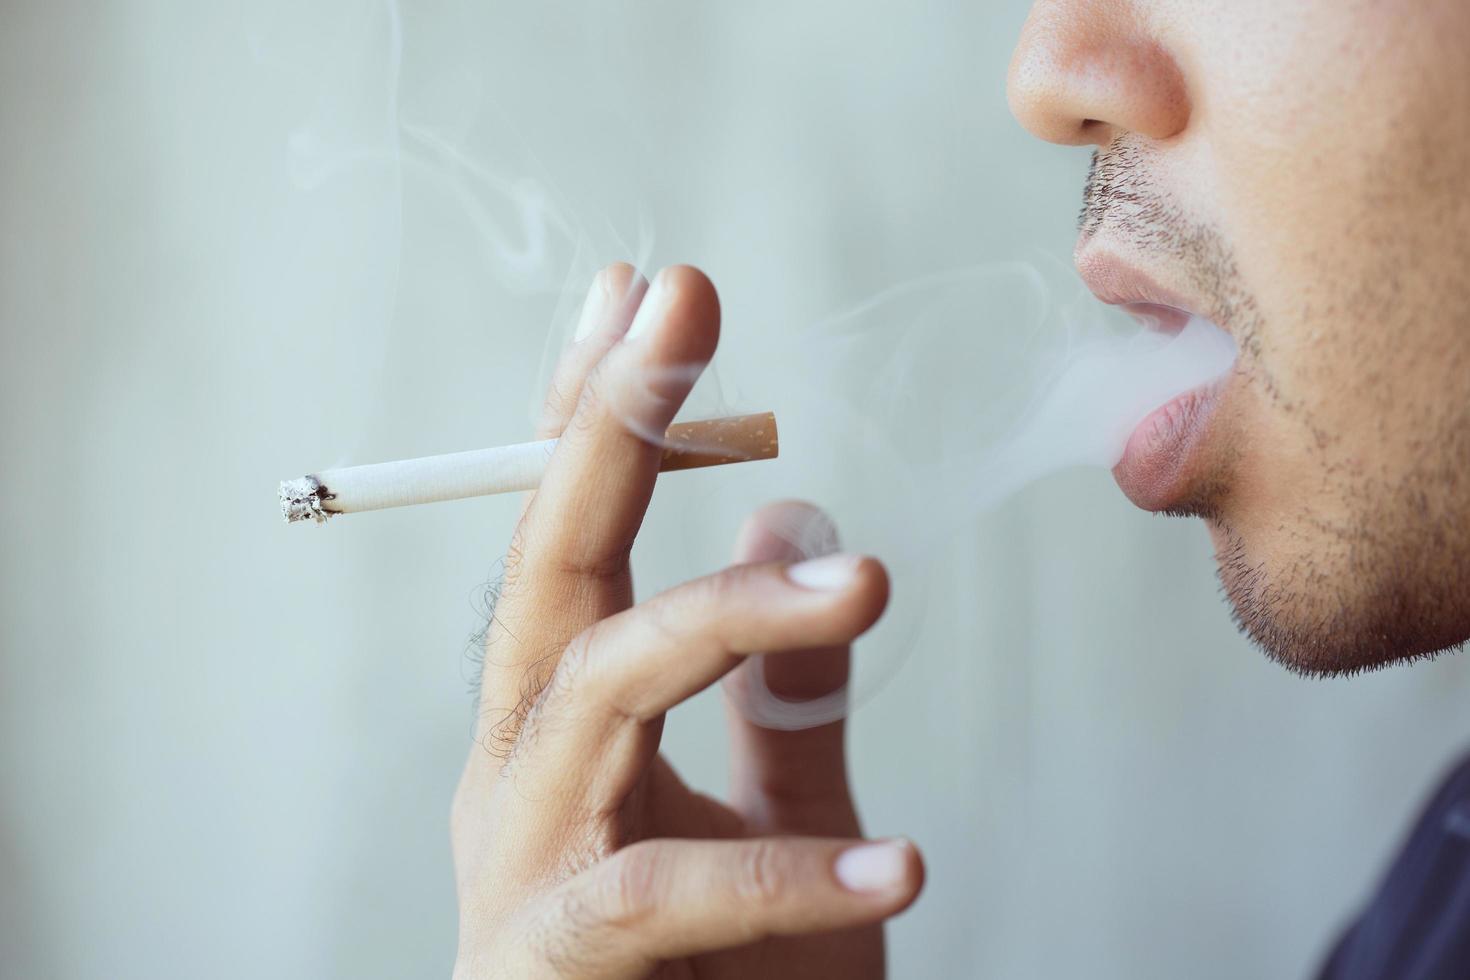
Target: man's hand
578,851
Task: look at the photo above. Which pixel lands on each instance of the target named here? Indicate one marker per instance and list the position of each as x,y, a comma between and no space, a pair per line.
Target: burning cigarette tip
303,499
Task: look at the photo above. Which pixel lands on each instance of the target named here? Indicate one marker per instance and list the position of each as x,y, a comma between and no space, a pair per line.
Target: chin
1348,623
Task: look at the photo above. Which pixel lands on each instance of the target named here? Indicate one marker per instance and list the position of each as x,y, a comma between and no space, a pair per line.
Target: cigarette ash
304,498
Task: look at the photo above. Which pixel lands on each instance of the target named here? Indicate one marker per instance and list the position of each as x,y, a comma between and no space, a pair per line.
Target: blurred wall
227,746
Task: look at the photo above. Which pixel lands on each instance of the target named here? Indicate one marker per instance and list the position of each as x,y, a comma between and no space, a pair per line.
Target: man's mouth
1160,463
1158,317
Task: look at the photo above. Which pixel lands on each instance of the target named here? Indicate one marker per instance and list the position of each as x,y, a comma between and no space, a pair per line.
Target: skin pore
1301,174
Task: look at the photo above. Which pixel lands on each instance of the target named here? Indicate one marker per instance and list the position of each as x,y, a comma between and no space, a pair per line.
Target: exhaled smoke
927,405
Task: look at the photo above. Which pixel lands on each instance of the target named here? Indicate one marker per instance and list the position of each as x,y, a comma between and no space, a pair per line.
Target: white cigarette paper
506,469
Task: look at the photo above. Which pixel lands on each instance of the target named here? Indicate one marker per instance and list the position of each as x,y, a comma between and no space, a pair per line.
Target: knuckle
765,873
710,602
601,568
633,885
715,590
731,585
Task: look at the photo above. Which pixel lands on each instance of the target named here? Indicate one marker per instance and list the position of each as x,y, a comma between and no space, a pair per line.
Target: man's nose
1087,71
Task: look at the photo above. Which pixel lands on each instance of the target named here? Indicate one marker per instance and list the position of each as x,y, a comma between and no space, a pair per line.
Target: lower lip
1154,470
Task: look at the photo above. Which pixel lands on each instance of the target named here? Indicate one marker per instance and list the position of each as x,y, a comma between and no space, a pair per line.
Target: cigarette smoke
919,409
904,416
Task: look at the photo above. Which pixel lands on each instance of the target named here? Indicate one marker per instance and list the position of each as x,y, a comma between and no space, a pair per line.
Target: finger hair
500,727
484,600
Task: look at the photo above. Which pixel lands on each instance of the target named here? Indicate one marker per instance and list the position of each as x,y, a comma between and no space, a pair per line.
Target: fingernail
651,310
826,574
875,867
594,309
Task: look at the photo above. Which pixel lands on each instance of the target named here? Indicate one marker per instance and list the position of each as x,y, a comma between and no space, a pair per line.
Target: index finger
568,565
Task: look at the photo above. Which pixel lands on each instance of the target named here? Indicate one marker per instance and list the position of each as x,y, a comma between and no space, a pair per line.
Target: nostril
1084,71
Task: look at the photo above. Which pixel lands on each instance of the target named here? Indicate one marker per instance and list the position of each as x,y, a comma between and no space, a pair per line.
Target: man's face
1298,173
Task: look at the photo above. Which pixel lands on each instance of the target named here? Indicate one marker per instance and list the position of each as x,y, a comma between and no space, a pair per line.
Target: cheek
1322,142
1289,178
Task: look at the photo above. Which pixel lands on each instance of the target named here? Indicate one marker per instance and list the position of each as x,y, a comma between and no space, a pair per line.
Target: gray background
227,746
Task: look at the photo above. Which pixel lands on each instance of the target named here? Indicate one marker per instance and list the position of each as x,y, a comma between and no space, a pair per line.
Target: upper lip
1116,282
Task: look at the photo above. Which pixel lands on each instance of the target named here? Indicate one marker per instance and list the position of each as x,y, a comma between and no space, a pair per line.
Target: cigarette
507,469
